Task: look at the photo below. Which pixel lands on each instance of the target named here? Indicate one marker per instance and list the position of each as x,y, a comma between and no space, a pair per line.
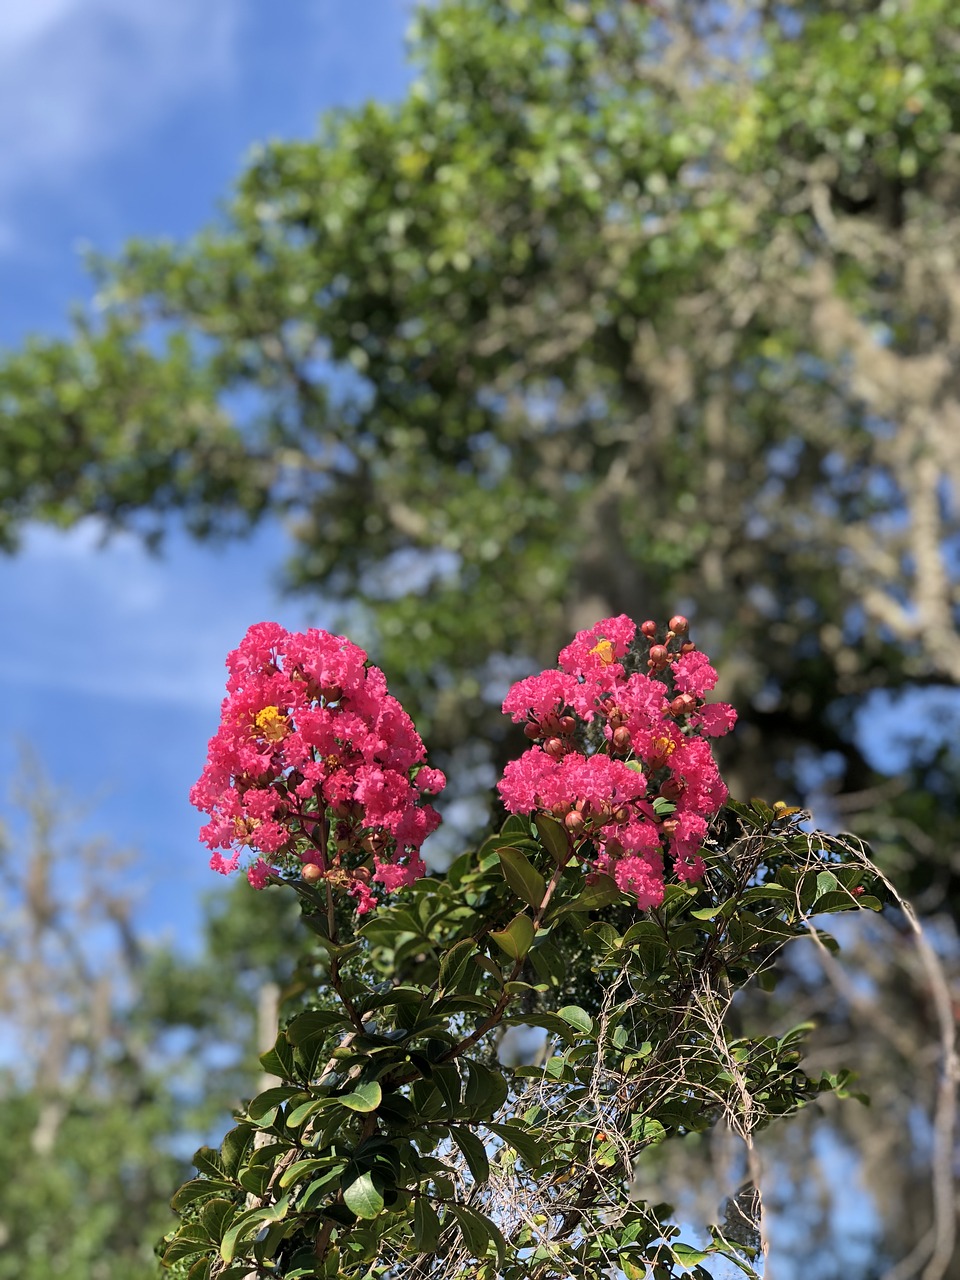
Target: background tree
624,307
119,1055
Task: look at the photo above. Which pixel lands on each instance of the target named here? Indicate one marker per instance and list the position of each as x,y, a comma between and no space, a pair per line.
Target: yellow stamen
663,746
272,723
604,651
244,828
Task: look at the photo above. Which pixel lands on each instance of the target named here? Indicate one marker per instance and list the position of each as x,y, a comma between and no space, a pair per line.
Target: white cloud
80,78
117,623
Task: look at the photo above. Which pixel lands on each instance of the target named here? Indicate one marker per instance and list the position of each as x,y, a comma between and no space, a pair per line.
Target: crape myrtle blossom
620,751
315,768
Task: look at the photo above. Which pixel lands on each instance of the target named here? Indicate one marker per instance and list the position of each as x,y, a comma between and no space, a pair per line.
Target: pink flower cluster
623,759
315,768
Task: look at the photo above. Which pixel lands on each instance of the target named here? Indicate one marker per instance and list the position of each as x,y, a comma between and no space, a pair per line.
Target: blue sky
122,118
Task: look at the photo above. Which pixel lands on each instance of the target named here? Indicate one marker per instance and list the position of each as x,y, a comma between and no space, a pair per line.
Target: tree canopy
623,308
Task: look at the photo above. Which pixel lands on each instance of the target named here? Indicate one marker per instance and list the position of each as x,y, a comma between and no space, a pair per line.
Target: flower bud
658,655
555,748
648,628
532,729
679,625
622,741
688,647
311,873
567,725
682,705
574,822
331,692
672,789
670,825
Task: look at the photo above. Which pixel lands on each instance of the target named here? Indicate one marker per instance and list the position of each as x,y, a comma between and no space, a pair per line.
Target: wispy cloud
80,78
123,625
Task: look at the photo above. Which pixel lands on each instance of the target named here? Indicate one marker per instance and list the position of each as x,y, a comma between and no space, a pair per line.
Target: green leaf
363,1198
517,938
426,1225
577,1018
235,1146
208,1161
479,1232
255,1179
248,1224
313,1106
214,1218
515,826
688,1256
187,1243
474,1153
555,839
278,1061
304,1169
199,1189
446,1078
706,913
486,1090
601,891
320,1186
528,1148
522,877
315,1022
454,961
827,882
367,1097
264,1107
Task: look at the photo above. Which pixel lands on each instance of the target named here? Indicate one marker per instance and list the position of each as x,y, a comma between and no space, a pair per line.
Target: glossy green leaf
366,1097
577,1018
554,836
522,877
529,1148
426,1225
454,961
363,1198
515,941
249,1223
474,1152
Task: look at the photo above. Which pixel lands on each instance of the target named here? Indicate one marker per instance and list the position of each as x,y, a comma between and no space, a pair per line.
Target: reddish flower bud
683,704
532,729
658,655
679,625
311,873
672,789
555,748
574,822
622,741
567,725
670,825
688,647
648,628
